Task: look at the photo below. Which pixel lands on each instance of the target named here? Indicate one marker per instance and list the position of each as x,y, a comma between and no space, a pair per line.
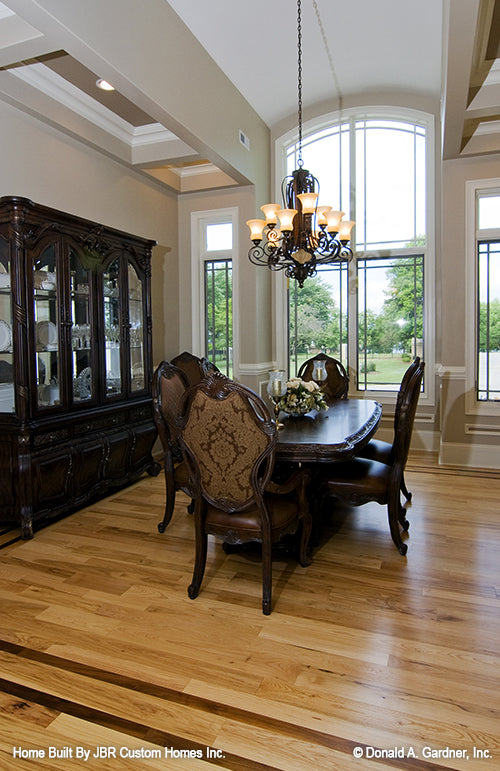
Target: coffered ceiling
445,51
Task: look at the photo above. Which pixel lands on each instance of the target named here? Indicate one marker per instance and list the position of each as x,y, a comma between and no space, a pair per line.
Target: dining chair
336,385
377,449
362,480
228,439
168,387
194,367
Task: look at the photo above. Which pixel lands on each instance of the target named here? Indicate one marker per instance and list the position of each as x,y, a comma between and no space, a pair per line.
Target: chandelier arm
271,254
339,254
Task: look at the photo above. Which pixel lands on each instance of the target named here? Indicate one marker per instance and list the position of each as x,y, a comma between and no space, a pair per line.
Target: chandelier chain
308,236
300,162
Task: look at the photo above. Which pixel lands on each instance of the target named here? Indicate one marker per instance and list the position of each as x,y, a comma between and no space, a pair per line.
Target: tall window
376,169
214,248
488,296
317,316
390,319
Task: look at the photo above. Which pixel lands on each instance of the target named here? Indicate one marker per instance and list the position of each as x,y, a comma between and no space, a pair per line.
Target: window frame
199,255
209,276
474,188
322,123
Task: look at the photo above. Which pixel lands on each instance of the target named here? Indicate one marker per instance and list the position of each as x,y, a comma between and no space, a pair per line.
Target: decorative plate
84,383
5,335
46,334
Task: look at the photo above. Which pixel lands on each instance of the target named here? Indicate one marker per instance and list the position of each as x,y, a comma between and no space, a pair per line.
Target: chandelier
307,235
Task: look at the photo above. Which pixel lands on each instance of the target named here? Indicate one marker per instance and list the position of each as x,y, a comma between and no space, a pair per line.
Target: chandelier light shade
300,235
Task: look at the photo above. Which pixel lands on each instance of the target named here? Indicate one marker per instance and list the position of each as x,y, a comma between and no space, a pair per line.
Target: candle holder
276,388
319,373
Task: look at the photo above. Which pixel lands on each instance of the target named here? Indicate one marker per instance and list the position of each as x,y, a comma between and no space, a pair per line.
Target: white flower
302,396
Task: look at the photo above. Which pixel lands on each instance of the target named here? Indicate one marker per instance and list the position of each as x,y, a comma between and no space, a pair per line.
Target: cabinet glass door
82,341
136,321
111,291
6,360
46,316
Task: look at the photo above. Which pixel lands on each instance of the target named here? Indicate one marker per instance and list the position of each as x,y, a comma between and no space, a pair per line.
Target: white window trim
473,406
428,397
199,220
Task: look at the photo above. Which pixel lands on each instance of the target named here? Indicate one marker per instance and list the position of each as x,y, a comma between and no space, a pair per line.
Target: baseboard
469,455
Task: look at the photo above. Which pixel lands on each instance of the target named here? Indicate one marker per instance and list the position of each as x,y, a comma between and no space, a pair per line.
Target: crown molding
54,86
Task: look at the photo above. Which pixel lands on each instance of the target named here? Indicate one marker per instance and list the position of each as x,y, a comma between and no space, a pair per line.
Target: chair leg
402,518
170,495
393,509
266,576
200,561
305,535
404,489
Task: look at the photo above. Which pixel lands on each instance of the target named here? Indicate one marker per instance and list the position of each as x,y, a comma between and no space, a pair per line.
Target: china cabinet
75,362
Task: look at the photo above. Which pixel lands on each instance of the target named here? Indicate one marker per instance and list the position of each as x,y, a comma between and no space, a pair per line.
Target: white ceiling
442,51
387,45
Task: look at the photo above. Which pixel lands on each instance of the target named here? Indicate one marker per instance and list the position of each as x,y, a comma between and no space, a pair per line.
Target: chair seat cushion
283,510
376,449
358,480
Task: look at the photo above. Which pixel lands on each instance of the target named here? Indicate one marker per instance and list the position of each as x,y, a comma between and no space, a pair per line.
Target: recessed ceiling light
104,85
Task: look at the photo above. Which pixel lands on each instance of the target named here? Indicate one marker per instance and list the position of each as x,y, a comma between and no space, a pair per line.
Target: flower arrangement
302,396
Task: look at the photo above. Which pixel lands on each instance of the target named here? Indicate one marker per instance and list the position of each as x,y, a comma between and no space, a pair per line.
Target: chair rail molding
256,376
450,373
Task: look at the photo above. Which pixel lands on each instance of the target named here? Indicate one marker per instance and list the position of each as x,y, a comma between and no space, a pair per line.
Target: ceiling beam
459,30
156,62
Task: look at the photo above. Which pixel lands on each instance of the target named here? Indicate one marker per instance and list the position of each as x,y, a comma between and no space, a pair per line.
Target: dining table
328,436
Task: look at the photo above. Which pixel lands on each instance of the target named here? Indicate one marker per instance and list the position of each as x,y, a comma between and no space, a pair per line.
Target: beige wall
42,164
254,317
179,85
170,76
455,175
457,443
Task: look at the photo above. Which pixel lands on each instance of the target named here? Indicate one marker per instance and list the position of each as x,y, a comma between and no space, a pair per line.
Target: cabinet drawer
52,476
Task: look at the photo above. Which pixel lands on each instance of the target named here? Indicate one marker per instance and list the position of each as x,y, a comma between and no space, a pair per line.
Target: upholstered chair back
168,387
195,368
229,438
406,415
403,388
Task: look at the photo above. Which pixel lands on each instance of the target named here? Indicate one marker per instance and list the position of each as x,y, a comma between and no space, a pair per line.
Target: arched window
374,312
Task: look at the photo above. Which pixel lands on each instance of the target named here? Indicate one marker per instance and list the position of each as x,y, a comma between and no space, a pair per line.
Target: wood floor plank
100,644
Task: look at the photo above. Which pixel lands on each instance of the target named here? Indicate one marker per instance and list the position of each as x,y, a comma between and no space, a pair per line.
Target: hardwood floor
100,645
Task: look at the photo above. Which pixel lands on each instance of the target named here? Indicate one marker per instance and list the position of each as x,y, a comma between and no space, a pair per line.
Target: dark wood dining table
336,434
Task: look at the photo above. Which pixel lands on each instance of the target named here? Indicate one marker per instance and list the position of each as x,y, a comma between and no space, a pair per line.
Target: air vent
244,140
